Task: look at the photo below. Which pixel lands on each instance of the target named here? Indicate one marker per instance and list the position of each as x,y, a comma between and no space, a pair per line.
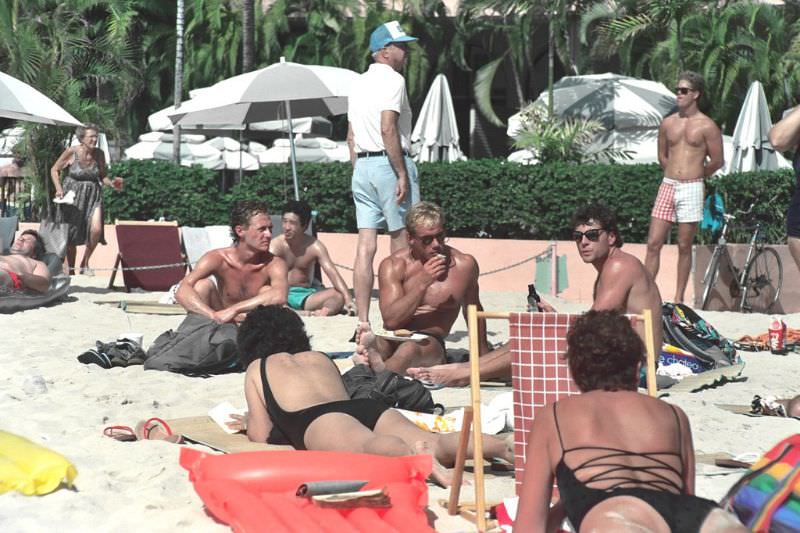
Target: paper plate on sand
408,336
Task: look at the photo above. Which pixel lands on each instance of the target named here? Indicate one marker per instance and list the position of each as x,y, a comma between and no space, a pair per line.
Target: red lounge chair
147,244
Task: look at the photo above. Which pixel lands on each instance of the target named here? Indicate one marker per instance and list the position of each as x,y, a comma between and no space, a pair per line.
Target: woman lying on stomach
623,461
300,393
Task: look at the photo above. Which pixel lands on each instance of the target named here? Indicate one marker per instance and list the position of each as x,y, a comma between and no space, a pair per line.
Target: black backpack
389,387
687,330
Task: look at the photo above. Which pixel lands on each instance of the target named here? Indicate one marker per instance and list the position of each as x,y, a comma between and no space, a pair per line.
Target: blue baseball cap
386,34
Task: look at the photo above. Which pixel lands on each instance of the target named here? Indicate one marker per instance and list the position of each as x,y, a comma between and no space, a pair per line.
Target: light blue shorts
373,186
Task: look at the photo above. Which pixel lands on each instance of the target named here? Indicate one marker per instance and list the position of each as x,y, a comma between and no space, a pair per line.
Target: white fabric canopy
435,136
20,101
751,147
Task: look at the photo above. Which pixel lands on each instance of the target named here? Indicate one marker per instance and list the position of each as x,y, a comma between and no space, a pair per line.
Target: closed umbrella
20,101
751,147
283,90
435,136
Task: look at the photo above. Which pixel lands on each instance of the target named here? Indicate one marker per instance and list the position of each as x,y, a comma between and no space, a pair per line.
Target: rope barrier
547,252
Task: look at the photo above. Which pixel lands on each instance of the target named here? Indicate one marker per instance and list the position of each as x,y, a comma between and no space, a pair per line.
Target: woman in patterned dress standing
86,176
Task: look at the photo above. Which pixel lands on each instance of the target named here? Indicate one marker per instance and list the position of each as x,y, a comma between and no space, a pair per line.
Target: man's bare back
247,275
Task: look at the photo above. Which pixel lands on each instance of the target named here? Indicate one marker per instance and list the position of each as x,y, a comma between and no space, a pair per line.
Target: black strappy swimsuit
682,512
293,424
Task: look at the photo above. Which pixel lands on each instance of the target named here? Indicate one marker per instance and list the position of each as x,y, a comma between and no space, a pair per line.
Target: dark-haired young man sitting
228,282
301,253
22,269
300,394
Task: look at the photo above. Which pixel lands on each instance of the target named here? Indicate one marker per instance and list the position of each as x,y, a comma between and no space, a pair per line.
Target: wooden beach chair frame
472,415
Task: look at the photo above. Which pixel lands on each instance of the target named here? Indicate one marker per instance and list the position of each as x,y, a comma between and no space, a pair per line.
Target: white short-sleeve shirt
379,89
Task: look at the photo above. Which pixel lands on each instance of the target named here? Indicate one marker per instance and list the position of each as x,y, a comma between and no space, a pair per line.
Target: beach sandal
767,406
156,429
120,433
430,385
97,357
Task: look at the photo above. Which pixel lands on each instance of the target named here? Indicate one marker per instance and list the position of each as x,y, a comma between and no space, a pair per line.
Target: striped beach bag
767,499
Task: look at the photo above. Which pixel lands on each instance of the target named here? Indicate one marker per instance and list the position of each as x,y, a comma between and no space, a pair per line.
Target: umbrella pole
240,156
292,155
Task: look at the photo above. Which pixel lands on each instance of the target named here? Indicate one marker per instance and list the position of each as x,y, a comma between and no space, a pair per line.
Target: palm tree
248,37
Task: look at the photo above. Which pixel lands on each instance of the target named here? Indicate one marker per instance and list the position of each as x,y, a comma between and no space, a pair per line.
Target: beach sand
140,486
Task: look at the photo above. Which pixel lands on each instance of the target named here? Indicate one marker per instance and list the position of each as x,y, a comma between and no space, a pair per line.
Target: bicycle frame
738,275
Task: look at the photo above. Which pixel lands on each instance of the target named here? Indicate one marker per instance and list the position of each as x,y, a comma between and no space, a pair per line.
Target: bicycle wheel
711,276
762,282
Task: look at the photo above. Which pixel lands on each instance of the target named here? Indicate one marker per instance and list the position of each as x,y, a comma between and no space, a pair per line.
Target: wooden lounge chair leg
461,458
114,272
651,357
475,393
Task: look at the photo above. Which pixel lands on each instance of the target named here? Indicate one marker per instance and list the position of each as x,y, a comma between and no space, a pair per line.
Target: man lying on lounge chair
305,401
228,282
22,269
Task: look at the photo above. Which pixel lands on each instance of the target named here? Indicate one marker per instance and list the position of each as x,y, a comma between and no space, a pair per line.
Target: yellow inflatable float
31,469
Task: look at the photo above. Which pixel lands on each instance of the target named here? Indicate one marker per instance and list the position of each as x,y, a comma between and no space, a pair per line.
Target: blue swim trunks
298,296
373,185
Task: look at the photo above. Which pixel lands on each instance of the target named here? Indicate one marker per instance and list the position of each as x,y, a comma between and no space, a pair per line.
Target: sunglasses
683,90
592,234
428,240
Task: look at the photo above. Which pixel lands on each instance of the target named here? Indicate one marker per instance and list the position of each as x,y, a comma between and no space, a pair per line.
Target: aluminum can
777,336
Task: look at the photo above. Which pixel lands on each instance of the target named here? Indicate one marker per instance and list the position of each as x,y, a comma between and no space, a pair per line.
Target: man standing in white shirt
385,183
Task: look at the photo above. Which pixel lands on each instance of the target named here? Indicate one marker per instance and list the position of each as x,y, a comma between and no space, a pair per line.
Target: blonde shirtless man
689,150
422,288
623,284
228,282
22,270
302,252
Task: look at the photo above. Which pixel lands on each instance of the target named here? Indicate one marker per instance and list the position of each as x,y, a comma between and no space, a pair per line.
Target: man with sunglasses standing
384,180
689,150
422,289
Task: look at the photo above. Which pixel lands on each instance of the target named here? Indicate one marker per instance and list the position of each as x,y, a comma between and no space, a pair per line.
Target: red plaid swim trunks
16,281
680,200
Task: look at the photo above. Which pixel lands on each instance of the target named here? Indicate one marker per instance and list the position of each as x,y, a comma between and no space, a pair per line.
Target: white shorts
680,200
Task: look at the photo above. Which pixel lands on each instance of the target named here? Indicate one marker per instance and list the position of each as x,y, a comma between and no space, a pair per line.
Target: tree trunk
177,95
248,26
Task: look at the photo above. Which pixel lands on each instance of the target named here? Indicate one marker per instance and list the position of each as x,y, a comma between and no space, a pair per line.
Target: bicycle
758,284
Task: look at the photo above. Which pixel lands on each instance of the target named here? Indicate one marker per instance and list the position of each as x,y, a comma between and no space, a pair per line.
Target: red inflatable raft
255,491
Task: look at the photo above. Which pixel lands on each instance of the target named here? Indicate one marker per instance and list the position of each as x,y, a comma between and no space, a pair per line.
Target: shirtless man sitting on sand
685,139
299,394
622,284
22,270
302,252
245,275
421,290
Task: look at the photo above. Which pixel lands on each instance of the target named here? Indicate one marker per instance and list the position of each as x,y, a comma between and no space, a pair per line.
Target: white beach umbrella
435,136
617,102
158,145
20,101
751,147
283,90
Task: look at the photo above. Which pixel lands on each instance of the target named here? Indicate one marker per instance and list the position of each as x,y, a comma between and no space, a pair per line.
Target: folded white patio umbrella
20,101
435,136
282,90
751,147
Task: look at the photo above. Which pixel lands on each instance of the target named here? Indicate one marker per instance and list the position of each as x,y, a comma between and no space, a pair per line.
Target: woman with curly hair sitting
623,461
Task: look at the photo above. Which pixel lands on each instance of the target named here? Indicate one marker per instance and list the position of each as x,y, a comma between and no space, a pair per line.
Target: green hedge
485,197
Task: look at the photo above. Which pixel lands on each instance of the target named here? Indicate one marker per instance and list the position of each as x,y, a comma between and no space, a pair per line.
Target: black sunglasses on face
592,235
683,90
427,241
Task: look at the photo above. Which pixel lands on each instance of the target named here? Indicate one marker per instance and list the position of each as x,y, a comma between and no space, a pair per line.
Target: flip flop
96,357
430,385
149,430
120,433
